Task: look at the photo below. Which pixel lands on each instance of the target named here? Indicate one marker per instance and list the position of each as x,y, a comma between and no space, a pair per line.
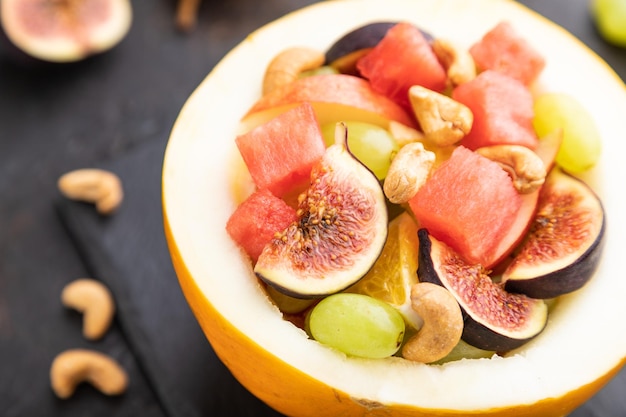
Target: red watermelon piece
502,108
280,153
401,59
255,221
503,49
470,204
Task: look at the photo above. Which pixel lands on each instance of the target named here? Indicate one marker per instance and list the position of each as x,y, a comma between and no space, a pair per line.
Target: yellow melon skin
294,393
583,345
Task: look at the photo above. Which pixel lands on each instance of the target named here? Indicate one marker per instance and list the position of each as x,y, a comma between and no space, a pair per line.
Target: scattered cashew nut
444,121
443,323
408,171
289,64
457,61
95,301
525,167
93,185
75,366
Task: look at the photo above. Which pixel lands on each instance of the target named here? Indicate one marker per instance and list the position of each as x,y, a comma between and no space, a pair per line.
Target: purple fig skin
474,333
548,283
363,37
569,279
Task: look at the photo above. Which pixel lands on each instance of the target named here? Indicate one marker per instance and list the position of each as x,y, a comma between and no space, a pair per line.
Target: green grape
610,19
464,350
581,145
357,325
369,143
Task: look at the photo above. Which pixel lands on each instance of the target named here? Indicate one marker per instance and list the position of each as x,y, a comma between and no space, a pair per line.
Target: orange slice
395,271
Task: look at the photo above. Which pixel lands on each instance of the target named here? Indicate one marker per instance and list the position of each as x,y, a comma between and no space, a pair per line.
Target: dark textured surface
116,111
128,252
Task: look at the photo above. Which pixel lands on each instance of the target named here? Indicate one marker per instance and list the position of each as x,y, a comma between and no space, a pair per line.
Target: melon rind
580,349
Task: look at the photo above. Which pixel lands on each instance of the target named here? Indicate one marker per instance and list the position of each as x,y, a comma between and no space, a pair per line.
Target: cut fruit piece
502,49
340,232
402,59
280,153
494,319
65,31
502,108
563,248
344,53
459,201
333,96
255,221
395,271
547,151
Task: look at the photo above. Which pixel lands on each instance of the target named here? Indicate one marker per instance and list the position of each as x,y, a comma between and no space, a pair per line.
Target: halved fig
494,319
340,231
343,54
562,249
547,150
65,30
346,50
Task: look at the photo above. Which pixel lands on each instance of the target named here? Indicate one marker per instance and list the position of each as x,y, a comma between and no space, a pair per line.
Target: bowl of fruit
405,208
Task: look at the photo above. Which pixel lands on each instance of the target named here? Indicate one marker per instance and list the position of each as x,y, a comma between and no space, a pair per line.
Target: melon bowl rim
581,348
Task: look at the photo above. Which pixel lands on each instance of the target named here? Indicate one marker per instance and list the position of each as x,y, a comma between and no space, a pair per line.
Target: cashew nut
75,366
288,64
404,134
443,323
525,167
444,121
97,186
408,171
458,62
95,301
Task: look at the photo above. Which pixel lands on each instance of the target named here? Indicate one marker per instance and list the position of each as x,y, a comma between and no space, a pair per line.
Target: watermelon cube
470,204
255,221
402,58
503,49
280,153
502,108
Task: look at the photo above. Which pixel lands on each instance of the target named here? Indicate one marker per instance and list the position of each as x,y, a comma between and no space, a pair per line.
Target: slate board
128,253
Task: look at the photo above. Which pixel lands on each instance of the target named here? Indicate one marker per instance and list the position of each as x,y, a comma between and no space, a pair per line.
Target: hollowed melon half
584,343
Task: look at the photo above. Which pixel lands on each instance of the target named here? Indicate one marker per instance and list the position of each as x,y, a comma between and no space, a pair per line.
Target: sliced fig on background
340,231
494,319
64,30
563,247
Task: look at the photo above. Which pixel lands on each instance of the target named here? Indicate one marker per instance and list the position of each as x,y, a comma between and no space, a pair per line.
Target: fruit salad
404,196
